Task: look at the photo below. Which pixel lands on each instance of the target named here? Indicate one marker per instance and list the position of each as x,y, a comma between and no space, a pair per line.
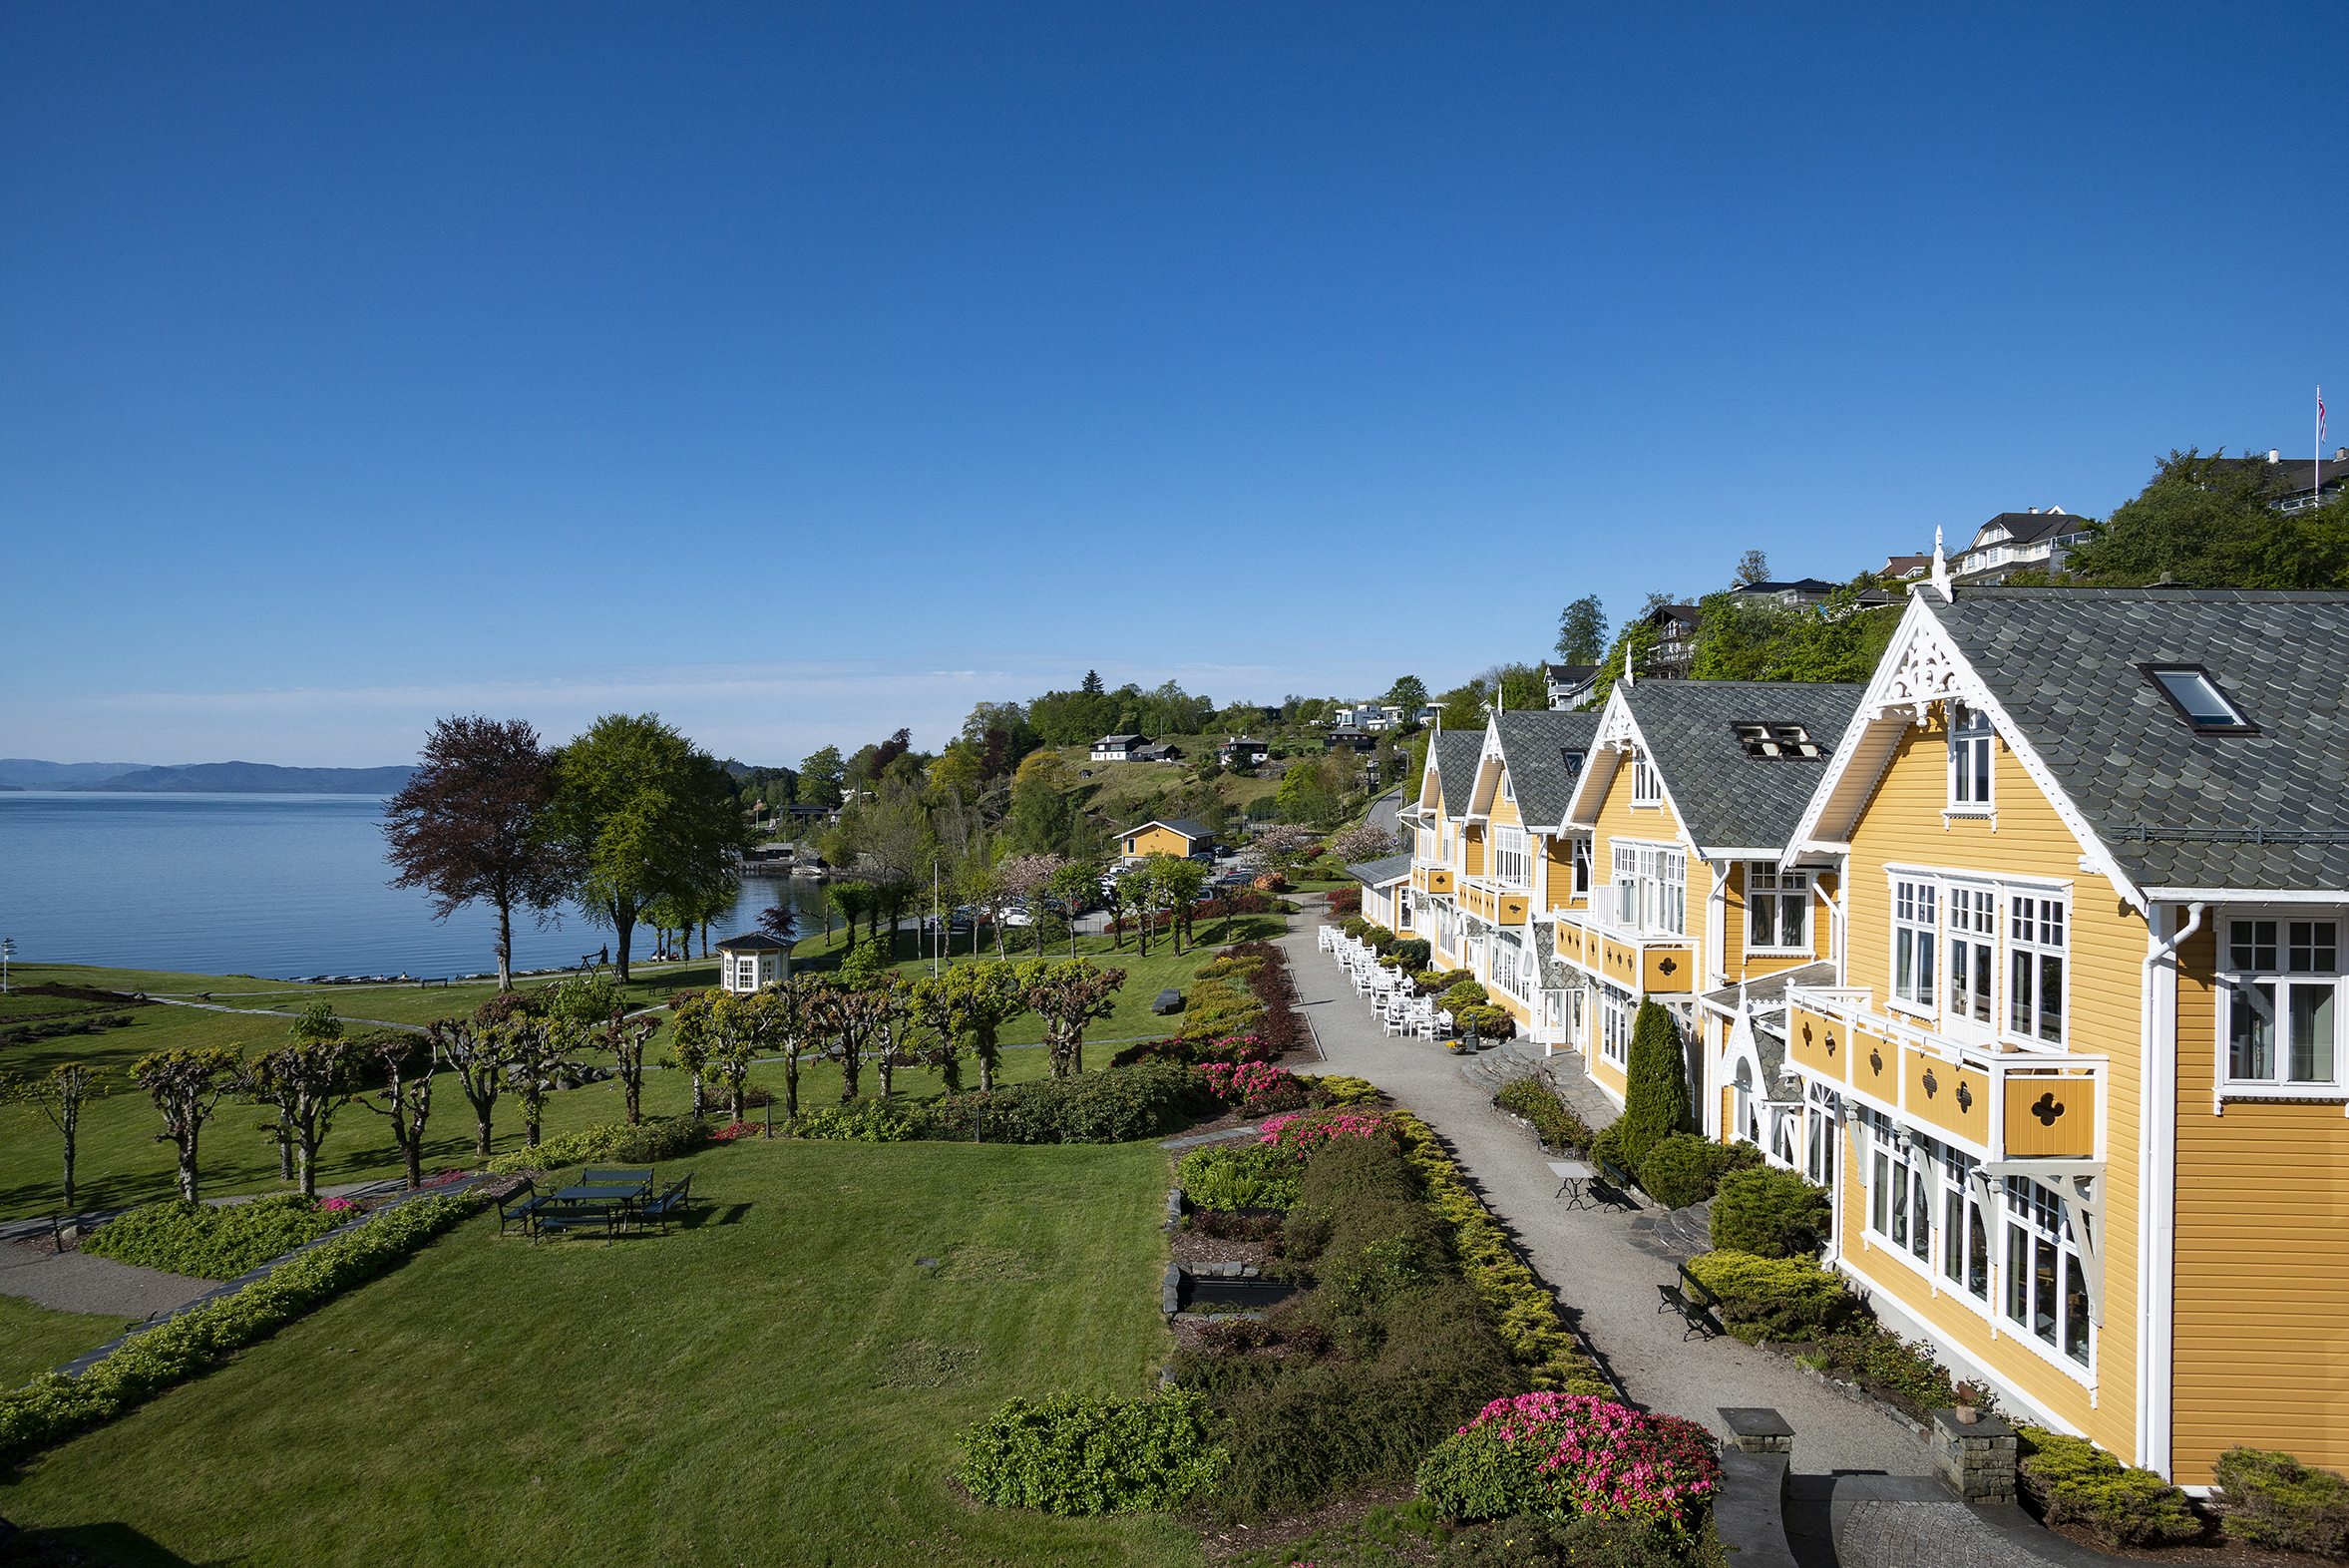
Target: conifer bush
2272,1501
1656,1098
1769,1213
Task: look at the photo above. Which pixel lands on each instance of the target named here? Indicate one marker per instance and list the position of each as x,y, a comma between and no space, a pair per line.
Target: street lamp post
7,953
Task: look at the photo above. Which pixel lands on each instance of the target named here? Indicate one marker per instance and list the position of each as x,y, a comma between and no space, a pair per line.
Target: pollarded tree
973,1002
469,826
690,1041
851,1020
1068,994
406,1061
59,1095
1074,884
1656,1093
307,1080
625,1038
315,1023
533,1056
1177,884
187,1086
639,813
470,1051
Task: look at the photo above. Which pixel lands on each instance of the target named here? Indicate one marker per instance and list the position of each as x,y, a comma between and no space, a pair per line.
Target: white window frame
1901,1194
2041,1218
1973,764
1508,790
1768,887
1583,869
1915,944
1970,917
2038,936
1618,1013
1652,888
1512,965
1512,861
2278,969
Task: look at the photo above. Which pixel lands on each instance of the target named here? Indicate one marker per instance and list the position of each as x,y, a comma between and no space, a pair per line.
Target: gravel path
1605,1262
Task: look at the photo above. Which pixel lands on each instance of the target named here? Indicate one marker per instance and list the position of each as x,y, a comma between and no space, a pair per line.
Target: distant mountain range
205,778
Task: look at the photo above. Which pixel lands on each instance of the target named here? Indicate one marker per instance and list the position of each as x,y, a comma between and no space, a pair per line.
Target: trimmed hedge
210,1241
1685,1169
1769,1213
53,1407
1777,1298
2075,1483
2272,1501
648,1143
1117,1106
1078,1456
1532,1099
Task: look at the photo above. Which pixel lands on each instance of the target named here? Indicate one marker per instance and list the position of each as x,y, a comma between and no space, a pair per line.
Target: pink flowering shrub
1299,1133
1234,1081
1566,1454
739,1129
340,1208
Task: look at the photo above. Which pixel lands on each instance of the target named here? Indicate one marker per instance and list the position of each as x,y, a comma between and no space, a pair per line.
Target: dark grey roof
2024,528
1772,988
1536,744
1372,872
1568,674
1797,584
1107,740
1725,797
2062,663
755,941
1455,752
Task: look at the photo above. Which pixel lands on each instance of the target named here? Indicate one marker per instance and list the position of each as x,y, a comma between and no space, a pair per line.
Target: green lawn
121,1164
780,1382
34,1339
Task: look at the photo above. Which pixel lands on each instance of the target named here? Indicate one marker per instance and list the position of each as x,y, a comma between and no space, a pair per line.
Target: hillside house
1117,748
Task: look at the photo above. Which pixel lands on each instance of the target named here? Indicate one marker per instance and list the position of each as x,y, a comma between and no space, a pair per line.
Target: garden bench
564,1221
678,1199
1613,1174
509,1213
1697,1290
1699,1321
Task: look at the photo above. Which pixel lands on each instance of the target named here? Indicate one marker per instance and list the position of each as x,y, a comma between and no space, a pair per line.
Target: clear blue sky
800,373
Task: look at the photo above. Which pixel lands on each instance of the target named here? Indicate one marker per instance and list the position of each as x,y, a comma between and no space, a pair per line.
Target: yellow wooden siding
1604,1072
1946,1096
2261,1344
1561,873
1504,811
1472,850
1158,841
1903,822
2051,1117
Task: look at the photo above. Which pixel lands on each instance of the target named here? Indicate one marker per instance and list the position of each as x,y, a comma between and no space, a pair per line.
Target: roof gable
1536,746
1723,797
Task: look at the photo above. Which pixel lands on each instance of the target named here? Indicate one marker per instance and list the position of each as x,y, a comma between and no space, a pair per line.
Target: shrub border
1524,1313
124,1373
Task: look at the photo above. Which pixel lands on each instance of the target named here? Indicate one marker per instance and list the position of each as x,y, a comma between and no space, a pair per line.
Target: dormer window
1970,735
1646,785
1508,790
2198,701
1573,761
1776,740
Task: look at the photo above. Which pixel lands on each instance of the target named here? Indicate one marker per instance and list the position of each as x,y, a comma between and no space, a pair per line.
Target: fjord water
266,885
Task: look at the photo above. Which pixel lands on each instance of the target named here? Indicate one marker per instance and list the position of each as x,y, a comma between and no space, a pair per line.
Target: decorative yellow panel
1439,878
1955,1099
1875,1066
1620,964
1513,909
1669,968
1818,1044
2050,1115
1570,941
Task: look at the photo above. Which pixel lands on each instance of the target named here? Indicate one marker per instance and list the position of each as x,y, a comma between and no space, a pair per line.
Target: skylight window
1777,740
2198,701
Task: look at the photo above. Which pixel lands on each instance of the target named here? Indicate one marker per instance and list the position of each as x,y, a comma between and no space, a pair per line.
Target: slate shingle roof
1726,798
2062,663
1535,745
1372,872
1457,752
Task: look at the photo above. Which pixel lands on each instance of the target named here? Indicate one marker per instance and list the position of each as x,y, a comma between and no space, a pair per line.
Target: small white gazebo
747,963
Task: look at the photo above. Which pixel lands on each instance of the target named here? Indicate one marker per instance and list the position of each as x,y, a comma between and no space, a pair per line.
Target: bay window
1511,862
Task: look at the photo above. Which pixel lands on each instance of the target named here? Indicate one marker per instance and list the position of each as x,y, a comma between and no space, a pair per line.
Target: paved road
1384,810
1604,1261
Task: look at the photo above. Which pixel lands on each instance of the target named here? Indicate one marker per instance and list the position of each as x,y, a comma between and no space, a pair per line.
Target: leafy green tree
625,1038
1636,642
690,1042
2209,520
1409,693
1753,566
186,1087
1464,706
1582,631
1308,792
534,1056
969,1003
1068,994
1073,885
59,1095
1738,639
1040,809
1656,1094
820,777
961,768
1522,687
308,1079
641,813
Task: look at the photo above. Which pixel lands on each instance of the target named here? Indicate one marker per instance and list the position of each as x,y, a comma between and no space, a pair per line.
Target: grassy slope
715,1397
34,1339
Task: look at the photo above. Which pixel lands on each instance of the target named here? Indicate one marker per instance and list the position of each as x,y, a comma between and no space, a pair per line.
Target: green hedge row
648,1143
53,1407
1532,1099
1116,1107
1073,1454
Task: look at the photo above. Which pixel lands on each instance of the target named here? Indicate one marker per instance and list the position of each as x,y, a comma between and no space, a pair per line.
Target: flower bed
1300,1133
1559,1455
52,1407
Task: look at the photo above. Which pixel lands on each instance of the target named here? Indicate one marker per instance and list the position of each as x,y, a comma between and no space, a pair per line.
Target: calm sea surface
267,885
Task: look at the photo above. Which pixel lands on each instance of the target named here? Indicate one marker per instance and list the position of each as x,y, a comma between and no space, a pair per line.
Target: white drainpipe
2157,1186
